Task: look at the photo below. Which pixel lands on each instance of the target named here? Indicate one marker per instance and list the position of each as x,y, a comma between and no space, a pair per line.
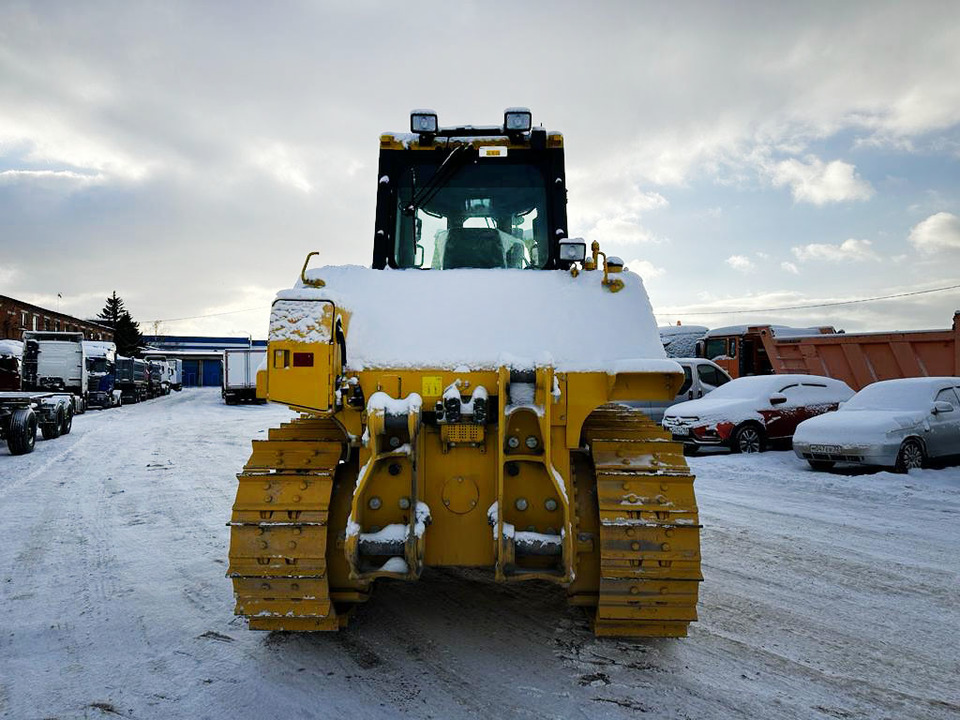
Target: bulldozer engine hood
476,319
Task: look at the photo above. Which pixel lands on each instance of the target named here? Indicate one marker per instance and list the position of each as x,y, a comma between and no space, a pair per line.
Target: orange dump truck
856,358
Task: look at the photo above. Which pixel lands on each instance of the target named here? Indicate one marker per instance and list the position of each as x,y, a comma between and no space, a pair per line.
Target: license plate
825,449
681,431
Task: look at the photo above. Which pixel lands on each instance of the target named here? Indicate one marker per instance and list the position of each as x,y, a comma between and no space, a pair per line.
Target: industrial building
202,356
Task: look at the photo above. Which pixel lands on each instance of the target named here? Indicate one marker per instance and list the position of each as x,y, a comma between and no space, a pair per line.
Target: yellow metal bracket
318,283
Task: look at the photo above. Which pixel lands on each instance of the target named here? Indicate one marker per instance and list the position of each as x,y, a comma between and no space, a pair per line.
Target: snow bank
482,319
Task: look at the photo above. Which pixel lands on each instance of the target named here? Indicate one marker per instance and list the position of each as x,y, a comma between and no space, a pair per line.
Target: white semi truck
56,362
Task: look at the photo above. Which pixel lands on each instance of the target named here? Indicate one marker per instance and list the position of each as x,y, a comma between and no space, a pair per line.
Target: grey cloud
228,139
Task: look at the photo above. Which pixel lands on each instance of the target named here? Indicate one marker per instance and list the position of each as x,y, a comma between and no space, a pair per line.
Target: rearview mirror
941,406
778,399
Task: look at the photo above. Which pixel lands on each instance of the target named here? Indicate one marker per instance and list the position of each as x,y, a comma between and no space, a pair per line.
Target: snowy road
826,596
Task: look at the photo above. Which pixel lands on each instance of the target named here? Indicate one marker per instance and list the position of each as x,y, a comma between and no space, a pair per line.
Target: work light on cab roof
460,404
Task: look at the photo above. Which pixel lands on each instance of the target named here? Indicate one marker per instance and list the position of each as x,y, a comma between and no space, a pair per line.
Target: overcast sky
739,156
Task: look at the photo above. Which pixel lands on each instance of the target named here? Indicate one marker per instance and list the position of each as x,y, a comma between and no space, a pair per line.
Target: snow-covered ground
826,596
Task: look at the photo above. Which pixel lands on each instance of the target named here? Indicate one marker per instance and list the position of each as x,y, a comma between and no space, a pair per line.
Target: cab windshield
486,214
98,365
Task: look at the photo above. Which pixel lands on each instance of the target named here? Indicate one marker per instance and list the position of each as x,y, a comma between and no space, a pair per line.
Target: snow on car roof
757,384
487,318
901,393
11,347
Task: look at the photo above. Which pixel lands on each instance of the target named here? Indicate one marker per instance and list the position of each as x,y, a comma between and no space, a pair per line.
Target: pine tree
112,311
126,332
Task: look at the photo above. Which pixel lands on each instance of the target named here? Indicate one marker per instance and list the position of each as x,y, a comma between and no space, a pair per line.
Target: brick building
17,316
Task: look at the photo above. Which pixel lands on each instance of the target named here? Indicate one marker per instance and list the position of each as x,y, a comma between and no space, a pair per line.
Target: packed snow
483,319
300,321
826,595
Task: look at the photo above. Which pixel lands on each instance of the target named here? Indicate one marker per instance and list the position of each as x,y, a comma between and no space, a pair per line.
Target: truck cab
101,360
10,359
56,361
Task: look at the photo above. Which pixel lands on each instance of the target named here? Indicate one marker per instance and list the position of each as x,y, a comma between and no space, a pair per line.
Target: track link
280,529
649,550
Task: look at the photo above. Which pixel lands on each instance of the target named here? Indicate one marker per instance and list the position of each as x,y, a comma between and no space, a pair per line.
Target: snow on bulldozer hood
481,319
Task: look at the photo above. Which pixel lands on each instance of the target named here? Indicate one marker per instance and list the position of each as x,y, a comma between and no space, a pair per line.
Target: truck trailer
21,413
856,358
240,374
132,380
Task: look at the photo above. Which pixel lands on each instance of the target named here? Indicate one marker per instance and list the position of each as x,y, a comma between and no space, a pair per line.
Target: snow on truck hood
482,319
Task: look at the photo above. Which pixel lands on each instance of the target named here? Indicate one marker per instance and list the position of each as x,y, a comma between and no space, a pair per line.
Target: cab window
710,375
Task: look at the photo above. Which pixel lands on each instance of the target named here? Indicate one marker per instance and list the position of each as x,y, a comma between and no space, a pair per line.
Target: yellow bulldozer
461,404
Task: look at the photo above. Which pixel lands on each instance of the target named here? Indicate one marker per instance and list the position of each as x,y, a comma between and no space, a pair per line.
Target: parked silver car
893,423
700,377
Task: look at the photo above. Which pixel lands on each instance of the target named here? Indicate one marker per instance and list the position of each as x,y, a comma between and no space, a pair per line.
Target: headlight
573,250
517,120
423,122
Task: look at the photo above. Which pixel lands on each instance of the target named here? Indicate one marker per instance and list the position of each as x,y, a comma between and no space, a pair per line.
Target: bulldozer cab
471,197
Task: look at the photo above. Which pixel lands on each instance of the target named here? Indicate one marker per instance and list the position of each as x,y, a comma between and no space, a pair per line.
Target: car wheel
52,430
911,456
67,424
821,464
748,439
22,433
690,450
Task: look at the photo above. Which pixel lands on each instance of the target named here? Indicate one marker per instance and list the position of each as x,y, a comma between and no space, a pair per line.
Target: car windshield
748,387
484,214
890,396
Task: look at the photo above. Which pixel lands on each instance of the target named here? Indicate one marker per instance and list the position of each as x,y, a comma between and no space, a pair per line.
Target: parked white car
892,423
748,413
699,378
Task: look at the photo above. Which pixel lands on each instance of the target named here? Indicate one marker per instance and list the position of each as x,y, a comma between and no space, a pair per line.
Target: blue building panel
191,373
212,373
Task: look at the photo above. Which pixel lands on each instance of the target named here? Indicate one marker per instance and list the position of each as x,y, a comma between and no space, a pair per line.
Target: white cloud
789,267
938,233
820,183
741,263
51,178
622,230
645,269
7,273
281,162
849,250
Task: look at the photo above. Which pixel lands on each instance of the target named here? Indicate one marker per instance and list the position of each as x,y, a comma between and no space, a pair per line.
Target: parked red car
748,413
